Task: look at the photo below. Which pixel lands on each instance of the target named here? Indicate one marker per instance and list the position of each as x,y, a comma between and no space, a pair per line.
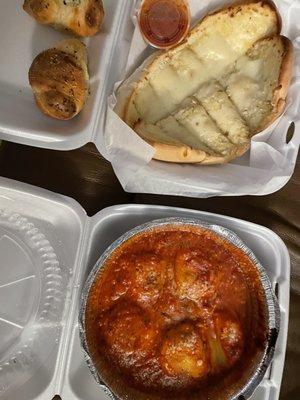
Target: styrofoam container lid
34,283
32,293
48,246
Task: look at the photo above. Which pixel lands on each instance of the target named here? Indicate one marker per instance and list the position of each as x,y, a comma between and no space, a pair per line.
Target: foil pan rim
271,301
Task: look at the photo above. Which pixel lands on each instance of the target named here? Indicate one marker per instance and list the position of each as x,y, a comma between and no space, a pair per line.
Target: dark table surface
84,175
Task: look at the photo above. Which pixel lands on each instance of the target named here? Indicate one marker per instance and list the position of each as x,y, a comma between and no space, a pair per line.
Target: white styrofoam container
78,241
21,39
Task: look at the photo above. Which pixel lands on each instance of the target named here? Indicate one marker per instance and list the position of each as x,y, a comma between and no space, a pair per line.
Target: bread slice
223,115
213,45
258,86
233,71
195,134
59,79
80,17
223,111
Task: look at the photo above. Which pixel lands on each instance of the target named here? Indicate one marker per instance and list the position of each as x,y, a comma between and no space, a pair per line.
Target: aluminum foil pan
273,312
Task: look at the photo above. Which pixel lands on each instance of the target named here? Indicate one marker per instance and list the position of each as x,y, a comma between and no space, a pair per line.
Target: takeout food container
114,53
22,39
99,366
78,241
263,170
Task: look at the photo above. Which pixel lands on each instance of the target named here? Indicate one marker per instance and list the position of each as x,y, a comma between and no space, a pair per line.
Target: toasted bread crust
187,155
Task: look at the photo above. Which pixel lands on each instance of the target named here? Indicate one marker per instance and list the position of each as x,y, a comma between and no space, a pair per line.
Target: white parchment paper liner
264,169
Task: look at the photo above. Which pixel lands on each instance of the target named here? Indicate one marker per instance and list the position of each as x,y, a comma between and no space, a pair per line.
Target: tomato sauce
164,23
175,308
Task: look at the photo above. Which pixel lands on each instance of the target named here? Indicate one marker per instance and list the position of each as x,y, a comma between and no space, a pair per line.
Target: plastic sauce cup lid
164,23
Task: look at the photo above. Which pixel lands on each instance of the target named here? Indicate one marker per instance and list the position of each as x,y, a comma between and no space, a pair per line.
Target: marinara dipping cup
164,23
178,308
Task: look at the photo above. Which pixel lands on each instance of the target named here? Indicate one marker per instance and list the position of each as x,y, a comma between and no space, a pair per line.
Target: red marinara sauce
174,309
164,23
